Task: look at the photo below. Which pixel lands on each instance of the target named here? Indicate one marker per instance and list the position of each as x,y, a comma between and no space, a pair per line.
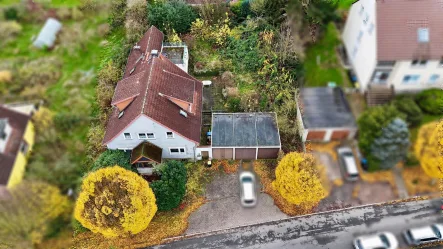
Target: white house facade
395,44
174,145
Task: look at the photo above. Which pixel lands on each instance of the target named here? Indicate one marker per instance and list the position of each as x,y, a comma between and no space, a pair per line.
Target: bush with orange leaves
298,180
115,202
429,148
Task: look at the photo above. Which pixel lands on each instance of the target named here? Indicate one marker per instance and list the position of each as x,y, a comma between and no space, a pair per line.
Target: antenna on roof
121,114
183,113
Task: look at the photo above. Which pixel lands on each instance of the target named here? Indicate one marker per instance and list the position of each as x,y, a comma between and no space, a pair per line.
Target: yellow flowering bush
429,148
297,179
115,202
217,33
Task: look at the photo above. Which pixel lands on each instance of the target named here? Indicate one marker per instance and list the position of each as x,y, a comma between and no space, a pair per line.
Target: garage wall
245,153
326,135
267,153
316,135
340,135
222,153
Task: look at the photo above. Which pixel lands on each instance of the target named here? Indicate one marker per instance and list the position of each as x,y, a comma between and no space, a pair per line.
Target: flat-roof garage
245,136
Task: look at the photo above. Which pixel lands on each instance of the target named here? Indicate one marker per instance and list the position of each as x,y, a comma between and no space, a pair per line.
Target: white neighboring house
396,43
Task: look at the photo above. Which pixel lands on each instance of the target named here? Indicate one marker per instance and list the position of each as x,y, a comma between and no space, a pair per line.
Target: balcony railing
174,44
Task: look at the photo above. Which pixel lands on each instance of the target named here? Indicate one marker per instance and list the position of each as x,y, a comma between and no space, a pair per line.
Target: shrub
60,171
272,10
24,218
63,13
297,179
66,121
244,52
95,138
234,104
173,14
392,146
117,14
411,160
408,107
241,10
428,148
8,31
111,158
42,71
431,101
372,122
136,21
115,202
10,13
171,188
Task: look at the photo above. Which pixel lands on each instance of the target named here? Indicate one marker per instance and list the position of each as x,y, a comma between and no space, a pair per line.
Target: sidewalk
401,187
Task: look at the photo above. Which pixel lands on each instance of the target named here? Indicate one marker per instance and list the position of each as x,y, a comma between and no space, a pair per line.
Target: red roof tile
397,29
157,77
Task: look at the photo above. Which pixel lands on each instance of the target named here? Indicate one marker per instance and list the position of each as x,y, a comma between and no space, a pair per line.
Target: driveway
350,193
223,209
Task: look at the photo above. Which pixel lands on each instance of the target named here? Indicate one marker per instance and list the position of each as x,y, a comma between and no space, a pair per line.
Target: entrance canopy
146,152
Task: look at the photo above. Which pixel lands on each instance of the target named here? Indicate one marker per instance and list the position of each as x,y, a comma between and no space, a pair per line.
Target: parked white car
423,235
383,240
247,186
347,162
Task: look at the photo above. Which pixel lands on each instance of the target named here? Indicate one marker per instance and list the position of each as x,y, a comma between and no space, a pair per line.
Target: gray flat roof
325,107
244,130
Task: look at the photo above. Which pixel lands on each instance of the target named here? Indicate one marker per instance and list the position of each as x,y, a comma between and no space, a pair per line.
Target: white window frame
124,136
419,63
168,136
142,133
146,135
179,152
410,81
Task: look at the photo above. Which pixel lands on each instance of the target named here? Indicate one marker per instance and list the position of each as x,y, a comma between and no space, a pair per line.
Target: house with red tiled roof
157,113
156,103
395,44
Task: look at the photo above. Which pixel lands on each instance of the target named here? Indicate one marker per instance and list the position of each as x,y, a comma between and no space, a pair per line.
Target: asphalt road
331,230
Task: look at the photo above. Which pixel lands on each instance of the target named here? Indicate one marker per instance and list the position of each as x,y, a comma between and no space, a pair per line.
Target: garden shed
324,114
245,136
48,34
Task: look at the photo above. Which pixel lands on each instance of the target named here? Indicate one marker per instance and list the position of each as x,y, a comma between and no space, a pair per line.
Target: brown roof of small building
397,29
146,150
154,79
18,123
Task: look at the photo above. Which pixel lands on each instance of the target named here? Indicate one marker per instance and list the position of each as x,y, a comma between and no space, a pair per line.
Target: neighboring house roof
325,107
398,24
146,150
48,33
158,87
18,123
245,130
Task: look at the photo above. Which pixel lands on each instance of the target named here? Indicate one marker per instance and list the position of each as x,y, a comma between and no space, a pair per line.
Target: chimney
154,52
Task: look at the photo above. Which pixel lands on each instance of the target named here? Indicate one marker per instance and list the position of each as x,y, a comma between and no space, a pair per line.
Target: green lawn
321,63
84,57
